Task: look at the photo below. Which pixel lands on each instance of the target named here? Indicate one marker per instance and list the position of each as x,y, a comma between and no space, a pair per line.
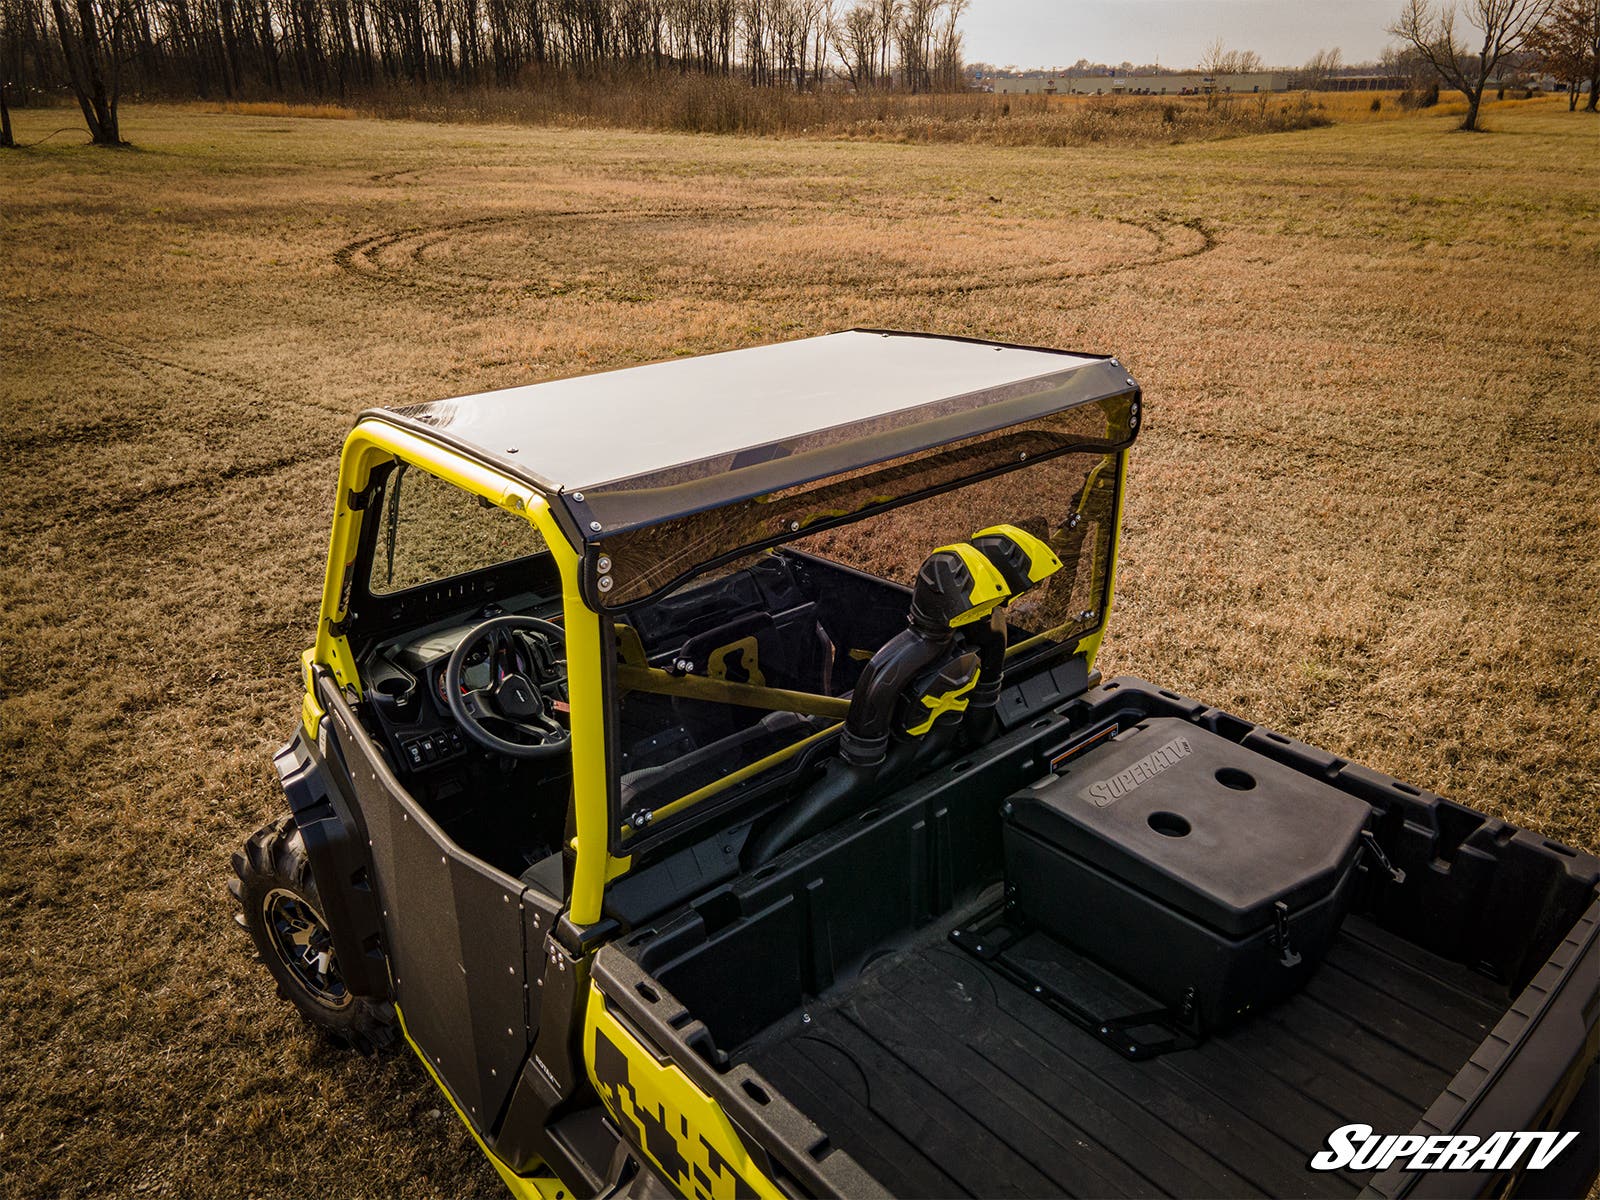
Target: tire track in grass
29,521
147,364
400,258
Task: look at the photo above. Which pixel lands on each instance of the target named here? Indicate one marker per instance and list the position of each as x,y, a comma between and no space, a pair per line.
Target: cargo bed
881,1013
942,1077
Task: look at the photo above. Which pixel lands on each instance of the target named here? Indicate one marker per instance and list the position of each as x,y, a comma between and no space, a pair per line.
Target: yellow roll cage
373,443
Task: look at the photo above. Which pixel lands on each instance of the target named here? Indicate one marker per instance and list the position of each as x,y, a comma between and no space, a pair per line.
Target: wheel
279,905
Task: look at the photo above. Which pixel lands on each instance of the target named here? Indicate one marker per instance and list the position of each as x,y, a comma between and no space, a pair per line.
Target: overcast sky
1056,33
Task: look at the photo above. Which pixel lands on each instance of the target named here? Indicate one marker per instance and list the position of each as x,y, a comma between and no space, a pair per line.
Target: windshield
430,530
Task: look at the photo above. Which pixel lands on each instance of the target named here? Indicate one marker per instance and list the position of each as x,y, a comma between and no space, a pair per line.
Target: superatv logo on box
1106,790
1357,1148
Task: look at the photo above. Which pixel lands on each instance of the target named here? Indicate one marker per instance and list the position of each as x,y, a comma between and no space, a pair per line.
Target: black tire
279,906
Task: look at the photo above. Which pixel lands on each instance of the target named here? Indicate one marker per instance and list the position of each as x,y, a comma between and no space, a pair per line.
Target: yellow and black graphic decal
678,1127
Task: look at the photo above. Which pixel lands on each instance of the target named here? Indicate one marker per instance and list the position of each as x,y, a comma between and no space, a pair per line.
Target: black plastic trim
336,845
785,1144
1525,1075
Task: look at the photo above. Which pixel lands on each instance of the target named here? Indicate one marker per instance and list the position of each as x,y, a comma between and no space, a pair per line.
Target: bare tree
92,42
948,70
1584,18
1431,29
1566,44
858,45
1321,67
6,140
1219,60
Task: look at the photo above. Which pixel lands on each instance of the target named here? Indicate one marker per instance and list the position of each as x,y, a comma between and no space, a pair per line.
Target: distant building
1363,83
1026,85
1178,83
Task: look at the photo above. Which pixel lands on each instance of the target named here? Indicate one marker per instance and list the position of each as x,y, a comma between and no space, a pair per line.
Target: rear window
649,558
805,618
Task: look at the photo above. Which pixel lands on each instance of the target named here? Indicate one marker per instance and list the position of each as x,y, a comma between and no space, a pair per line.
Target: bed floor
942,1078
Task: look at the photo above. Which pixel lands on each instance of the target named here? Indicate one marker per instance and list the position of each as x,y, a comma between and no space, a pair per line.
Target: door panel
453,932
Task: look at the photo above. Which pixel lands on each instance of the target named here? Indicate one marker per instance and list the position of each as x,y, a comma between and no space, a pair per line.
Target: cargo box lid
1200,823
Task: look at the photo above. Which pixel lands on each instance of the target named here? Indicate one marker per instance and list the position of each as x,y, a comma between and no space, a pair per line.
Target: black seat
781,650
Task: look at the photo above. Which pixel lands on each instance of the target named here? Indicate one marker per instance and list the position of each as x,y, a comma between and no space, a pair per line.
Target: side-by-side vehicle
703,767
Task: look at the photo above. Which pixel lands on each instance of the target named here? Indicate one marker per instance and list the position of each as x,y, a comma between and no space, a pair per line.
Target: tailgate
1535,1071
712,1134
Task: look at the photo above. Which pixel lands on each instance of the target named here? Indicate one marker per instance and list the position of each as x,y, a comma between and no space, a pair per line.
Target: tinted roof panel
592,430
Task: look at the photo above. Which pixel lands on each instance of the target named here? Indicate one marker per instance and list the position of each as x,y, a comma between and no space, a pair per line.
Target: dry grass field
1364,509
712,104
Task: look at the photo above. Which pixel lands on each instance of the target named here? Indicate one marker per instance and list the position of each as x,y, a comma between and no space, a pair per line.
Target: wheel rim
304,946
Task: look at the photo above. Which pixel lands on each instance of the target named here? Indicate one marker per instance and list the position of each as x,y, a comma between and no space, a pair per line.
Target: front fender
336,845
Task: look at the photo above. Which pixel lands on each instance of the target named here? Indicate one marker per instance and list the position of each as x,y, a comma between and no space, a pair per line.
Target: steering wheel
527,672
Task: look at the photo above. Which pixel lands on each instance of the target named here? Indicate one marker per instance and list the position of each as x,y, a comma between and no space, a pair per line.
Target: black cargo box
1211,877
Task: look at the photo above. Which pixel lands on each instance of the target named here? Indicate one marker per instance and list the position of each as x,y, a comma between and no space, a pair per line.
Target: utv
703,767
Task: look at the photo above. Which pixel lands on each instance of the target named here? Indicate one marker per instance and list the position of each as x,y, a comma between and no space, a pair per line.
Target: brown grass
279,108
708,104
695,103
1362,511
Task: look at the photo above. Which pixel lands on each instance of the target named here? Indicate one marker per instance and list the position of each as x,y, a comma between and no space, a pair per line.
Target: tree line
229,49
97,50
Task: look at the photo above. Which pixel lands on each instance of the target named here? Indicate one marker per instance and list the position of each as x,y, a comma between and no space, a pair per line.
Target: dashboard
405,678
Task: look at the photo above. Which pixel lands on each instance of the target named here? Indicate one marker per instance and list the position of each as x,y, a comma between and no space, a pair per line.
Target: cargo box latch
1280,936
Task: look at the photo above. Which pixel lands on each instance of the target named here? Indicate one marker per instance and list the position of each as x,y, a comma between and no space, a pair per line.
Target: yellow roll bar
372,443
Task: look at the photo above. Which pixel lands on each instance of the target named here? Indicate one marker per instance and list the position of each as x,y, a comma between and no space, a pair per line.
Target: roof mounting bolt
1023,457
578,496
604,583
511,449
805,1018
603,564
594,526
794,526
